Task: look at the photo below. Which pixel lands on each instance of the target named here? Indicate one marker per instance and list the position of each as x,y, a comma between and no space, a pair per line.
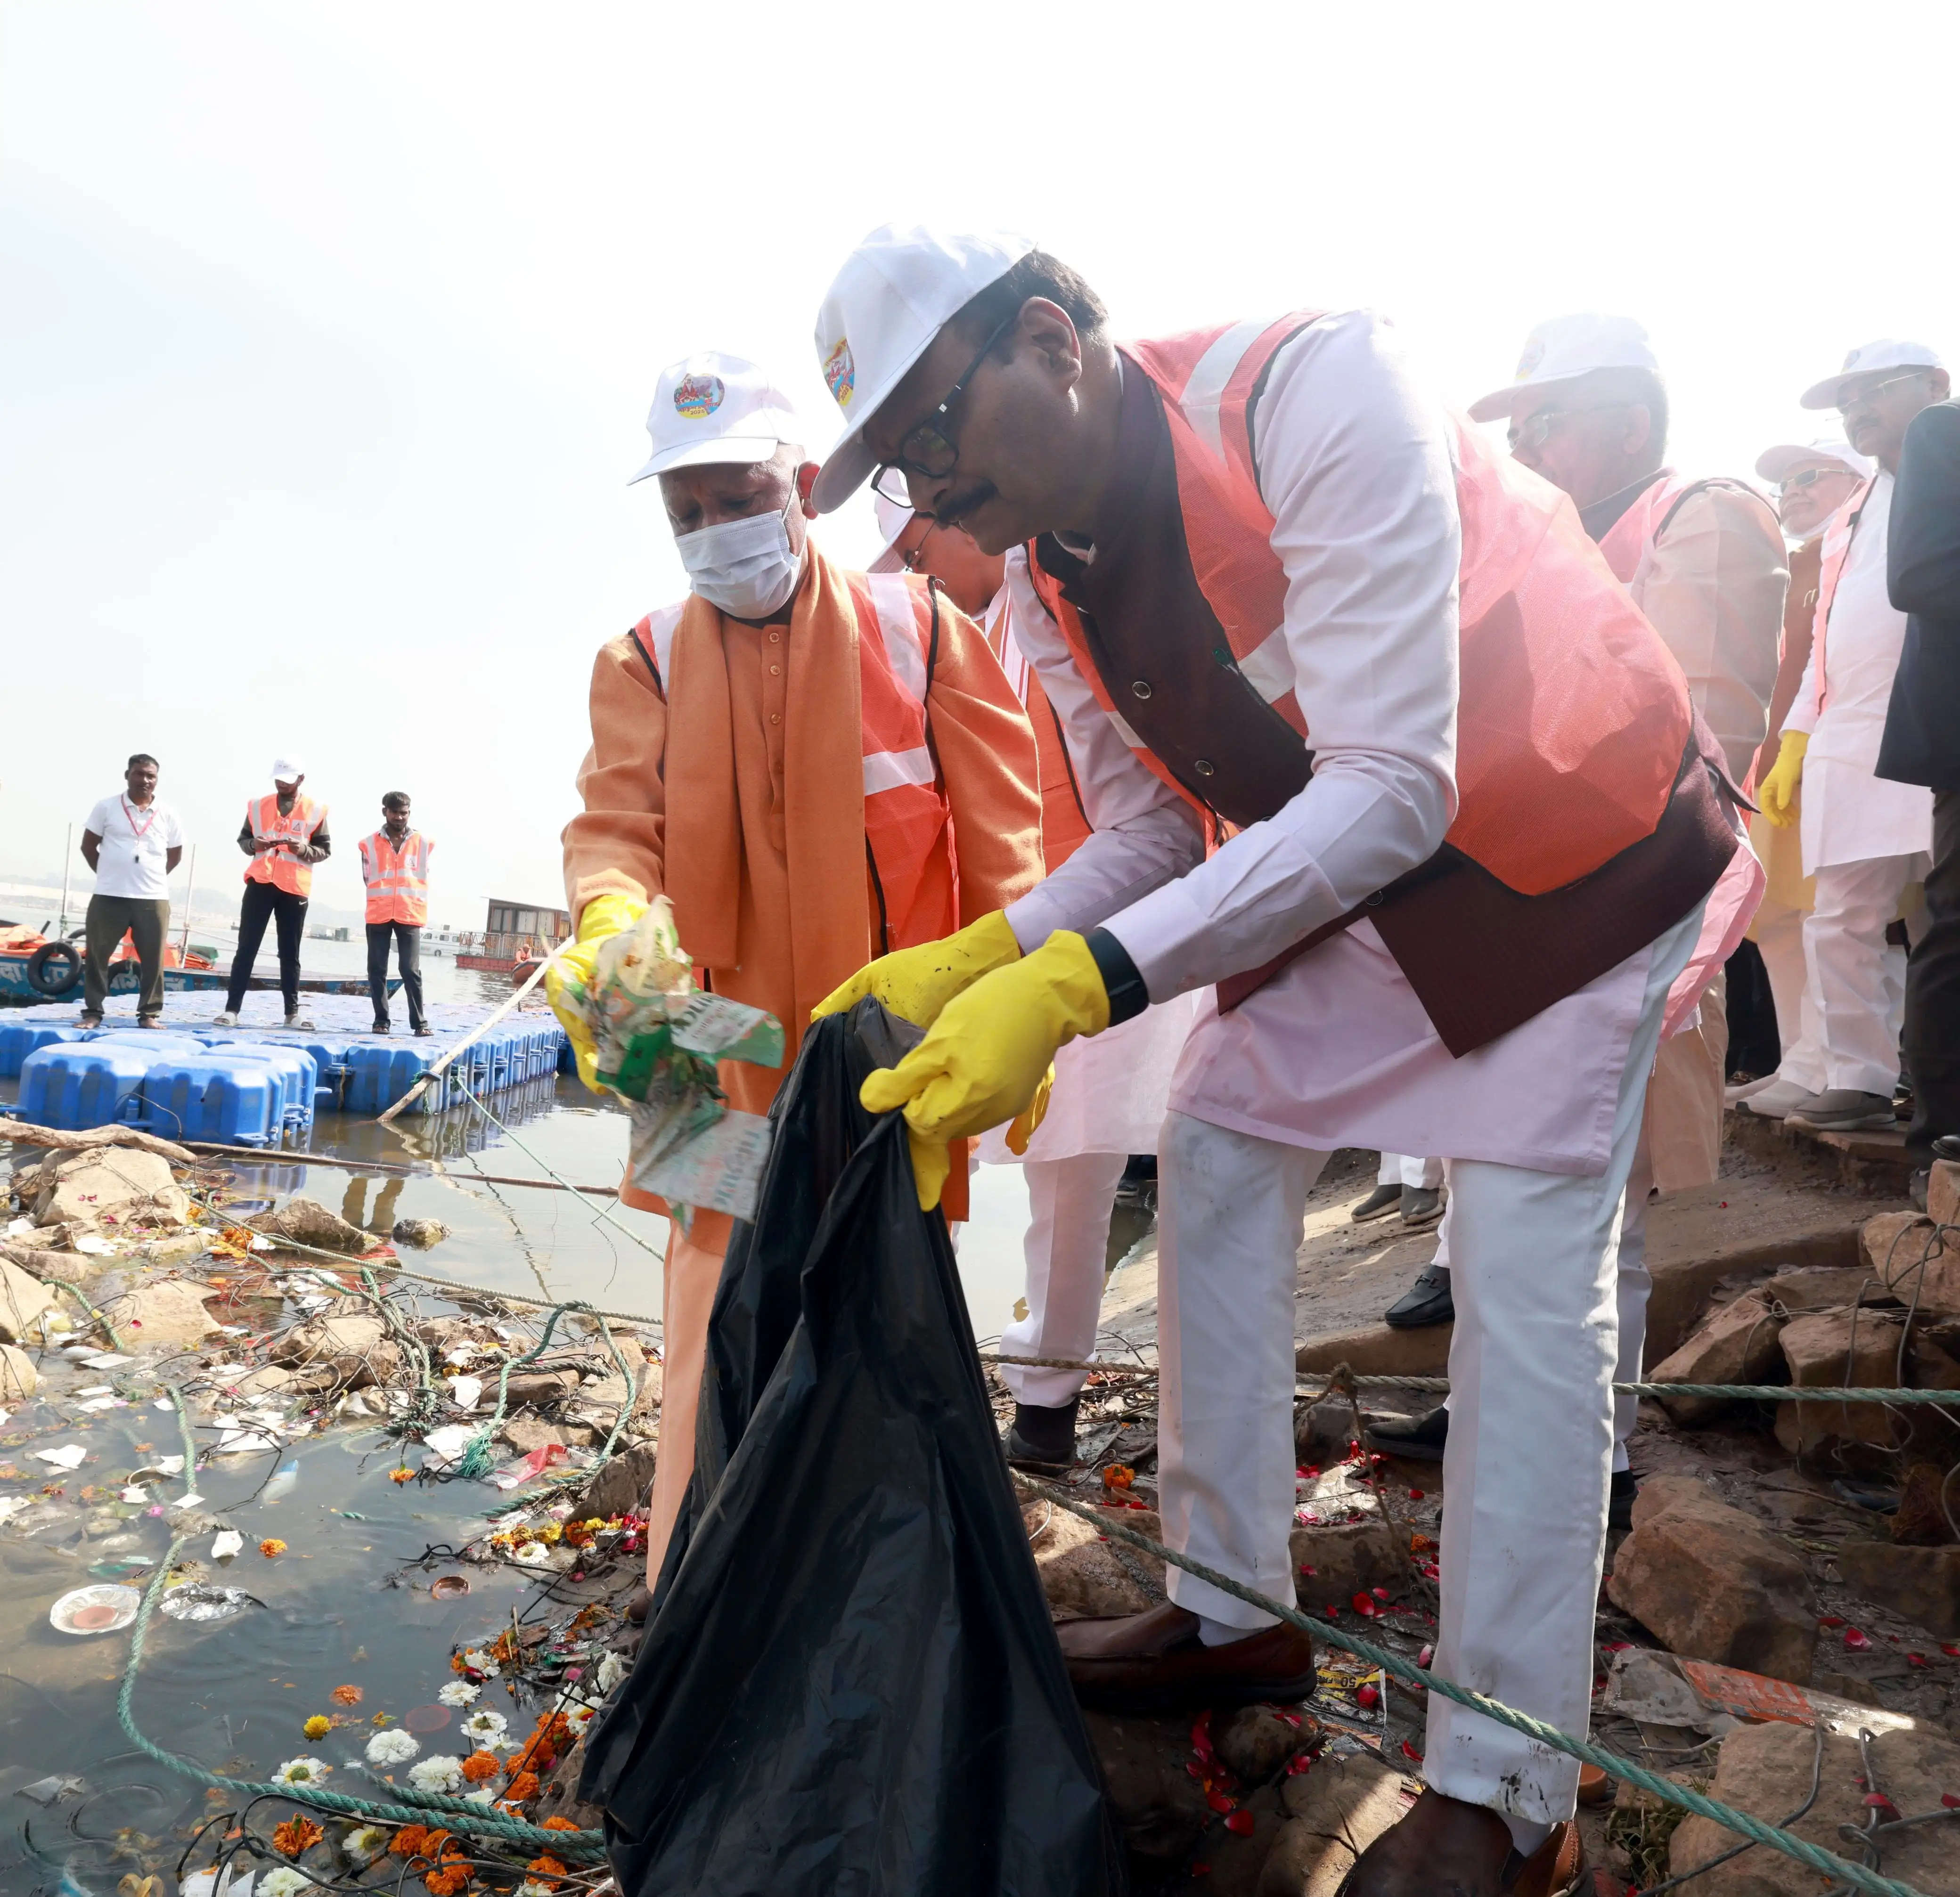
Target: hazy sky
327,332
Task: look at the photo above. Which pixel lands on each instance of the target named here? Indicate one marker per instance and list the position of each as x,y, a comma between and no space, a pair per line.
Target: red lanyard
131,815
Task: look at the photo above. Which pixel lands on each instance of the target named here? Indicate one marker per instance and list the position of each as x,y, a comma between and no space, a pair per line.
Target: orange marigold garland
480,1767
547,1869
295,1836
523,1788
559,1824
345,1696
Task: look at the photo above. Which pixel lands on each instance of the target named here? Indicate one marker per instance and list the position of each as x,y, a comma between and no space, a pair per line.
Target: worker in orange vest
394,866
285,834
811,763
1375,747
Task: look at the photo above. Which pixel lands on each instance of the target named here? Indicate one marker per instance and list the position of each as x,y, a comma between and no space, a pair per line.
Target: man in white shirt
132,843
1865,838
1276,596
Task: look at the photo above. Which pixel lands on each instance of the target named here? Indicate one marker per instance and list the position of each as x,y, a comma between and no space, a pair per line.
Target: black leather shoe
1421,1438
1043,1439
1947,1146
1620,1499
1427,1302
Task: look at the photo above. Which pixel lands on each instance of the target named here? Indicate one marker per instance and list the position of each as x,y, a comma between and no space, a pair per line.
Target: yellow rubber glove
602,918
915,983
1776,794
984,1059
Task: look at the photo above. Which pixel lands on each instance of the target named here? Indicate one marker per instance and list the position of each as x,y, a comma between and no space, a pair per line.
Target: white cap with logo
1788,458
1864,360
897,291
286,770
711,409
1562,349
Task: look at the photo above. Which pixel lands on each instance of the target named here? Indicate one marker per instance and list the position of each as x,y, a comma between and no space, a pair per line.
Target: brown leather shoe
639,1604
1595,1787
1155,1662
1446,1847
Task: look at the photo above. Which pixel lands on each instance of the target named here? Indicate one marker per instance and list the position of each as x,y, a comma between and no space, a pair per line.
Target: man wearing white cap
285,834
1864,836
1812,480
814,766
1110,1091
1291,615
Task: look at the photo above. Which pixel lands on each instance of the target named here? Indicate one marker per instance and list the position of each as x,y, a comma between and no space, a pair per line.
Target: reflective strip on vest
280,867
1572,715
1839,531
397,880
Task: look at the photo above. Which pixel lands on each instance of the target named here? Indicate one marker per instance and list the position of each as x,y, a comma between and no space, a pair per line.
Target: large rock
330,1340
1736,1345
1379,1350
1347,1559
622,1484
1333,1812
1712,1584
1766,1771
1919,1584
1159,1807
1850,1348
1087,1577
1892,1241
19,1379
1942,1192
1820,1288
172,1312
85,1185
1922,1519
23,1299
307,1222
1254,1742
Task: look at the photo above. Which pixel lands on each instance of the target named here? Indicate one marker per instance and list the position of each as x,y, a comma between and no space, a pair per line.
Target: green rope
81,1297
1788,1843
189,1440
415,1808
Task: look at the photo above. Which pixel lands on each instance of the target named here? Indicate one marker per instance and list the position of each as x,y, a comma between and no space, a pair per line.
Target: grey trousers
146,918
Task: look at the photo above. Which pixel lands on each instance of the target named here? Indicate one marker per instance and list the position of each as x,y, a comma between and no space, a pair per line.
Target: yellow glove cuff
1795,744
915,983
606,916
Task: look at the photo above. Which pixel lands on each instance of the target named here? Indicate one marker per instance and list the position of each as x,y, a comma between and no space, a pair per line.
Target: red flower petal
1409,1751
1240,1822
1367,1697
1858,1643
1952,1803
1218,1801
1415,1495
1831,1620
1380,1593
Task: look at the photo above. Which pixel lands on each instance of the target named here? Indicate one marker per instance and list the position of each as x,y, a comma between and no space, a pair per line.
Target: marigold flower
411,1841
295,1836
345,1696
403,1474
447,1882
559,1824
480,1766
1118,1476
272,1548
523,1788
547,1867
318,1727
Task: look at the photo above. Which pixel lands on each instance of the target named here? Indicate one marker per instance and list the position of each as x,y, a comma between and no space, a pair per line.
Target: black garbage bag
849,1686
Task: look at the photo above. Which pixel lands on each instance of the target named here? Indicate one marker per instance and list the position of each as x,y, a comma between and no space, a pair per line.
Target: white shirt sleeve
1145,833
172,830
99,817
1355,461
1805,708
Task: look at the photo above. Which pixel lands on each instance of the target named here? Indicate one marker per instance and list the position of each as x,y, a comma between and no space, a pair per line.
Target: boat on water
515,937
35,968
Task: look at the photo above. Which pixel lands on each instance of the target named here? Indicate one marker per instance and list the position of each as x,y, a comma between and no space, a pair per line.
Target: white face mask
746,567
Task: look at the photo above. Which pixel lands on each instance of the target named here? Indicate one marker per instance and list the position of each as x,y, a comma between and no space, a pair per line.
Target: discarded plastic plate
426,1719
199,1600
99,1609
226,1543
449,1586
371,1442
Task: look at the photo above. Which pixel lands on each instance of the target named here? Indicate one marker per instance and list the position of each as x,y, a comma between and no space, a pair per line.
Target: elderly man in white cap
1812,480
1864,836
1110,1092
285,834
1290,613
814,766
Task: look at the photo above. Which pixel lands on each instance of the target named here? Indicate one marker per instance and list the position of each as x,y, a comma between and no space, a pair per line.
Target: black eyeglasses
1810,477
931,450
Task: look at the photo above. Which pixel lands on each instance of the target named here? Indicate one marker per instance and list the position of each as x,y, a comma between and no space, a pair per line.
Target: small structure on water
513,934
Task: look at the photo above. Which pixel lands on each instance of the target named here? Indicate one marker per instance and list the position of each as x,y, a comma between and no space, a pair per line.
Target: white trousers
1532,1363
1778,930
1067,1250
1855,979
1404,1169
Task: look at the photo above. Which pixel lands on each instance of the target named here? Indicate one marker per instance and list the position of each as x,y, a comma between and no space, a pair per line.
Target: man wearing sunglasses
1291,614
813,765
1865,838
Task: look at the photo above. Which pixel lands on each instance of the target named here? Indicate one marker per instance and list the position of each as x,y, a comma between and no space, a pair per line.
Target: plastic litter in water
99,1609
200,1600
282,1484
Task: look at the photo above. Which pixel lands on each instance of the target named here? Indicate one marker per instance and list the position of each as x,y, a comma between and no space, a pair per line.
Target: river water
337,1609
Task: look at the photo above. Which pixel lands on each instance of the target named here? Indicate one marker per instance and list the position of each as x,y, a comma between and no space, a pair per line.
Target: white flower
393,1747
285,1882
458,1692
485,1726
477,1661
612,1670
581,1717
532,1554
364,1843
300,1772
530,1887
436,1773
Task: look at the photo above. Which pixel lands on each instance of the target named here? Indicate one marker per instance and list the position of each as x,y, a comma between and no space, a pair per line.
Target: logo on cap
840,372
697,397
1533,355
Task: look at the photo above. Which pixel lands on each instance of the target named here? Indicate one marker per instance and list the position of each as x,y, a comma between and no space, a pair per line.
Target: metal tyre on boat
54,970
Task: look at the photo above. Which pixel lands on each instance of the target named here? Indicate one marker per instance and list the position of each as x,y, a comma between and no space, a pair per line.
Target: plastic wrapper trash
849,1681
658,1038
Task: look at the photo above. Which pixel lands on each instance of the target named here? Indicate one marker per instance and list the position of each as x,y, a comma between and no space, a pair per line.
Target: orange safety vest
1065,824
1839,531
397,879
1573,716
280,867
908,821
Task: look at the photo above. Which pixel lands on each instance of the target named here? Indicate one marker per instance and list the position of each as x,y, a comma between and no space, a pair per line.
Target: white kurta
1110,1090
1850,815
1354,462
